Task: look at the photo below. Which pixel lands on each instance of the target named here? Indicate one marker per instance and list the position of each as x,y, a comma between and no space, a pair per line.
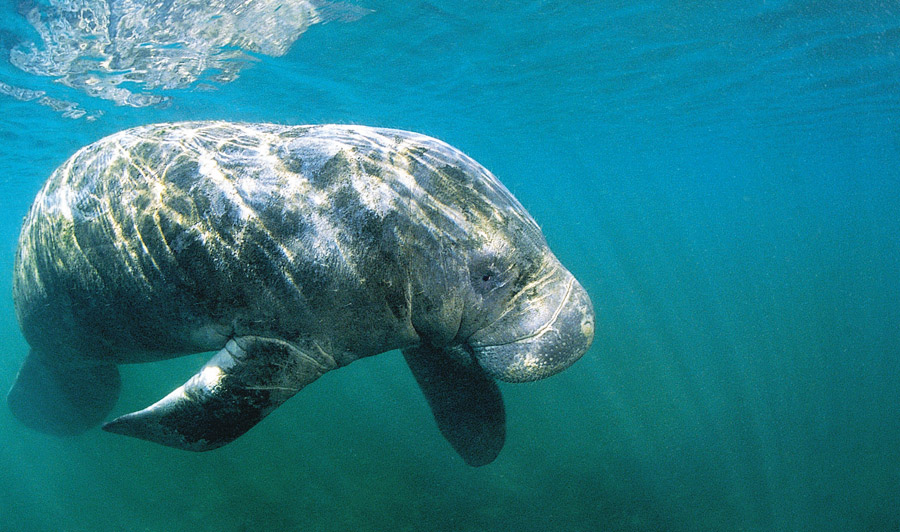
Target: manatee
290,251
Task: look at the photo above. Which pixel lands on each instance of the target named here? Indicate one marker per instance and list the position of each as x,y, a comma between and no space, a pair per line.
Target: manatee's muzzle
539,339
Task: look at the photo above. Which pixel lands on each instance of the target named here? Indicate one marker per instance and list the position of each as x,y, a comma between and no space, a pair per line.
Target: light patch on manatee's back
383,180
71,192
219,203
59,202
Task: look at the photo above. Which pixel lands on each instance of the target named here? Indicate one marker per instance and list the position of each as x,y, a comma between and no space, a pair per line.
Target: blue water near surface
723,178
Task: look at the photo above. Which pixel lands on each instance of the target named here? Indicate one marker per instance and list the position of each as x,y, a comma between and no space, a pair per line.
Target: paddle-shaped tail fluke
60,398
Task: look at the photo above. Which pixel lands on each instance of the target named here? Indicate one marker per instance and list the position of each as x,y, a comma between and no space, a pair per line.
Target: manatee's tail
63,399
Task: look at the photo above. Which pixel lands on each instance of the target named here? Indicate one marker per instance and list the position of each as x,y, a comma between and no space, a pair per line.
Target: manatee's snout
549,327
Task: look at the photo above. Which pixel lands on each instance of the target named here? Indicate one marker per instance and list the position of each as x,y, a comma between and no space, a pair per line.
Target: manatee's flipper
239,386
466,403
63,398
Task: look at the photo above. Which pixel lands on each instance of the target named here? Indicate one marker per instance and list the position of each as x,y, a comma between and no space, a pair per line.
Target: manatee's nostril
587,328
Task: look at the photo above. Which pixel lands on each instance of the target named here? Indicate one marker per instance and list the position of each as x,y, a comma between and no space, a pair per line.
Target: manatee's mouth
565,333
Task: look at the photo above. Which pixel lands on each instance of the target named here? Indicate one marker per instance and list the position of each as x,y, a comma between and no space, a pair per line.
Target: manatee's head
528,317
492,290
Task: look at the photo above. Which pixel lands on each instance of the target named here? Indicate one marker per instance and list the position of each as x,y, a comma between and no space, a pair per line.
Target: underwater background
722,177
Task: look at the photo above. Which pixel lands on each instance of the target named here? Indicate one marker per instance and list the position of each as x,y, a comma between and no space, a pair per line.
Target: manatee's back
84,262
139,247
163,239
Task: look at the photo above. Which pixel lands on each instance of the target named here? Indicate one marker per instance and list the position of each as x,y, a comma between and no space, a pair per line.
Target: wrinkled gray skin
292,251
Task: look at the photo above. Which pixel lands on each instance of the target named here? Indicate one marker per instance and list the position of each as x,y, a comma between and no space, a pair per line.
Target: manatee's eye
487,281
490,275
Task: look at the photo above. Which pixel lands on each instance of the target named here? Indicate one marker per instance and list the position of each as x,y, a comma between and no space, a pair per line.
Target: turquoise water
722,178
